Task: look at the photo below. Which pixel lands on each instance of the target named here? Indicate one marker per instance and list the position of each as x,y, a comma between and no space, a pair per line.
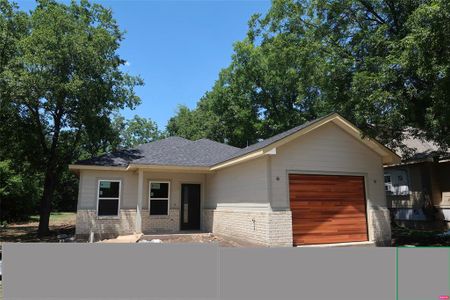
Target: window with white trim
108,198
159,195
387,182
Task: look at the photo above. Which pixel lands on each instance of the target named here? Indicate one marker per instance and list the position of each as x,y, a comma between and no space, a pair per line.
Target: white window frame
150,197
104,198
387,185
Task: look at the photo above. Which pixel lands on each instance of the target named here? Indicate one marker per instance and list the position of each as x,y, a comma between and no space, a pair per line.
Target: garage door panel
327,209
328,221
328,205
327,196
324,209
320,230
330,239
341,224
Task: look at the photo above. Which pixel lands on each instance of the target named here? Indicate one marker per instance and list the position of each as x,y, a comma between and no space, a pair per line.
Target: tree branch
37,119
371,10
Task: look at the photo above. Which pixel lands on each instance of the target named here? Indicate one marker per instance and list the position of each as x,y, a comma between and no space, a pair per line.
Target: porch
169,202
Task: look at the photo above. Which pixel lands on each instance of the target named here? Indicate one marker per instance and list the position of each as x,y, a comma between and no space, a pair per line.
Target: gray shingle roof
417,149
177,151
174,151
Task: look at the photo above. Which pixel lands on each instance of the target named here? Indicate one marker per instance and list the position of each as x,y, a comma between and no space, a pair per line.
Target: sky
177,47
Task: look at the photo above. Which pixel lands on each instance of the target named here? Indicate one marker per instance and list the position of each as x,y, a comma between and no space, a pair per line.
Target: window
159,198
108,199
387,178
387,183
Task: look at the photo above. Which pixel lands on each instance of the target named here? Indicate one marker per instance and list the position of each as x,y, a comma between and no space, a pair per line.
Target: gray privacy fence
205,271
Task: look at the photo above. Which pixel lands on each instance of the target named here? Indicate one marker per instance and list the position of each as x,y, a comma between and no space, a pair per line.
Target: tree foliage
136,131
60,86
382,64
19,192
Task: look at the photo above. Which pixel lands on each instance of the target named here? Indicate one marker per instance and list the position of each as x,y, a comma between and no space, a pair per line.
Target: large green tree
382,64
135,131
63,85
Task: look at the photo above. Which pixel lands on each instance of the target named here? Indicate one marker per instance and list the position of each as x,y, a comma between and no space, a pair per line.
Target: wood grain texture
327,209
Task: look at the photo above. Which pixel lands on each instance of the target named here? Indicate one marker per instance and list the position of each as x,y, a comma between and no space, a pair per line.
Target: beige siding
242,184
427,181
327,149
87,198
436,194
89,184
444,182
416,197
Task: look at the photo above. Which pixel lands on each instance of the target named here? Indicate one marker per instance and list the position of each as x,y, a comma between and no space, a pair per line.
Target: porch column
140,195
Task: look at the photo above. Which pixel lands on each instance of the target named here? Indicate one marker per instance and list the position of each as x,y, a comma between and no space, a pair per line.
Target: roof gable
270,145
210,155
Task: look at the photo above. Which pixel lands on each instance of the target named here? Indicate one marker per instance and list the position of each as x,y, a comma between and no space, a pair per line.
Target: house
319,183
418,188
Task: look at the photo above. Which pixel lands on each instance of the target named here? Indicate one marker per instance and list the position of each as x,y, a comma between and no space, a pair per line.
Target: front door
190,207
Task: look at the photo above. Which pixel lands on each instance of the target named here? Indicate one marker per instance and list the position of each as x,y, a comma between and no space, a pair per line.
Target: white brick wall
274,228
280,229
88,221
379,222
161,224
264,227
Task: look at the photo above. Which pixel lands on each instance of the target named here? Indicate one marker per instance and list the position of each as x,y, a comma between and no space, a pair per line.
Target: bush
19,193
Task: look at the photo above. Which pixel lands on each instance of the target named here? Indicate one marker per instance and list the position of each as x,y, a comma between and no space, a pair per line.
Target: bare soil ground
196,238
64,223
60,223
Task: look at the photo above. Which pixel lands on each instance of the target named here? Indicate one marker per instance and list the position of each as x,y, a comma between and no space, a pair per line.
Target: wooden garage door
327,209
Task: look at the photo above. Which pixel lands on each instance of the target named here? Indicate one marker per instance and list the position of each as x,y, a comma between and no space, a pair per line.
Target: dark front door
190,207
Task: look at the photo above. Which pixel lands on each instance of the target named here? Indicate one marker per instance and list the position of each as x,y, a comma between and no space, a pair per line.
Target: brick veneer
269,228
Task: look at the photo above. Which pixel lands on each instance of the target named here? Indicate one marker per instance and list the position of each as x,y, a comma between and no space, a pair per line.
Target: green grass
56,217
60,222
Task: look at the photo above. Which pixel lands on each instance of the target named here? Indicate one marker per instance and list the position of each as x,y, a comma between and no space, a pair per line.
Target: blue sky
177,47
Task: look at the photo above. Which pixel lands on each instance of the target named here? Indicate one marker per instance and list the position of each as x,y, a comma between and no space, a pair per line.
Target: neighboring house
318,183
420,182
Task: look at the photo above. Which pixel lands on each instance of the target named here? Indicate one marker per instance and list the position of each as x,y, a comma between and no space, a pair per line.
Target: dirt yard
64,223
60,223
202,238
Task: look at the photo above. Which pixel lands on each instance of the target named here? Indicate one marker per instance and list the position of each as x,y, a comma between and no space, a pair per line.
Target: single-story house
418,188
318,183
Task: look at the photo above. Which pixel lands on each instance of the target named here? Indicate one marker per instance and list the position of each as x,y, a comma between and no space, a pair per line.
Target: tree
65,84
17,192
382,64
135,131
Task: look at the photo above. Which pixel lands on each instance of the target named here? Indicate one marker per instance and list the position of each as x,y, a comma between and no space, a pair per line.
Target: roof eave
192,169
200,169
75,167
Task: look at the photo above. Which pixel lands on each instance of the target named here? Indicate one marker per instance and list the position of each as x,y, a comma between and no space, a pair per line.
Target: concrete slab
123,239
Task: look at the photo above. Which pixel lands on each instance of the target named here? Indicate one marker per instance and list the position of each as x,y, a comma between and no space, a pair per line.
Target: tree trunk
46,202
50,177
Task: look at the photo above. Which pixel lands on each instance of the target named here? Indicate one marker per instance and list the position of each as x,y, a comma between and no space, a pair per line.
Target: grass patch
57,217
60,223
